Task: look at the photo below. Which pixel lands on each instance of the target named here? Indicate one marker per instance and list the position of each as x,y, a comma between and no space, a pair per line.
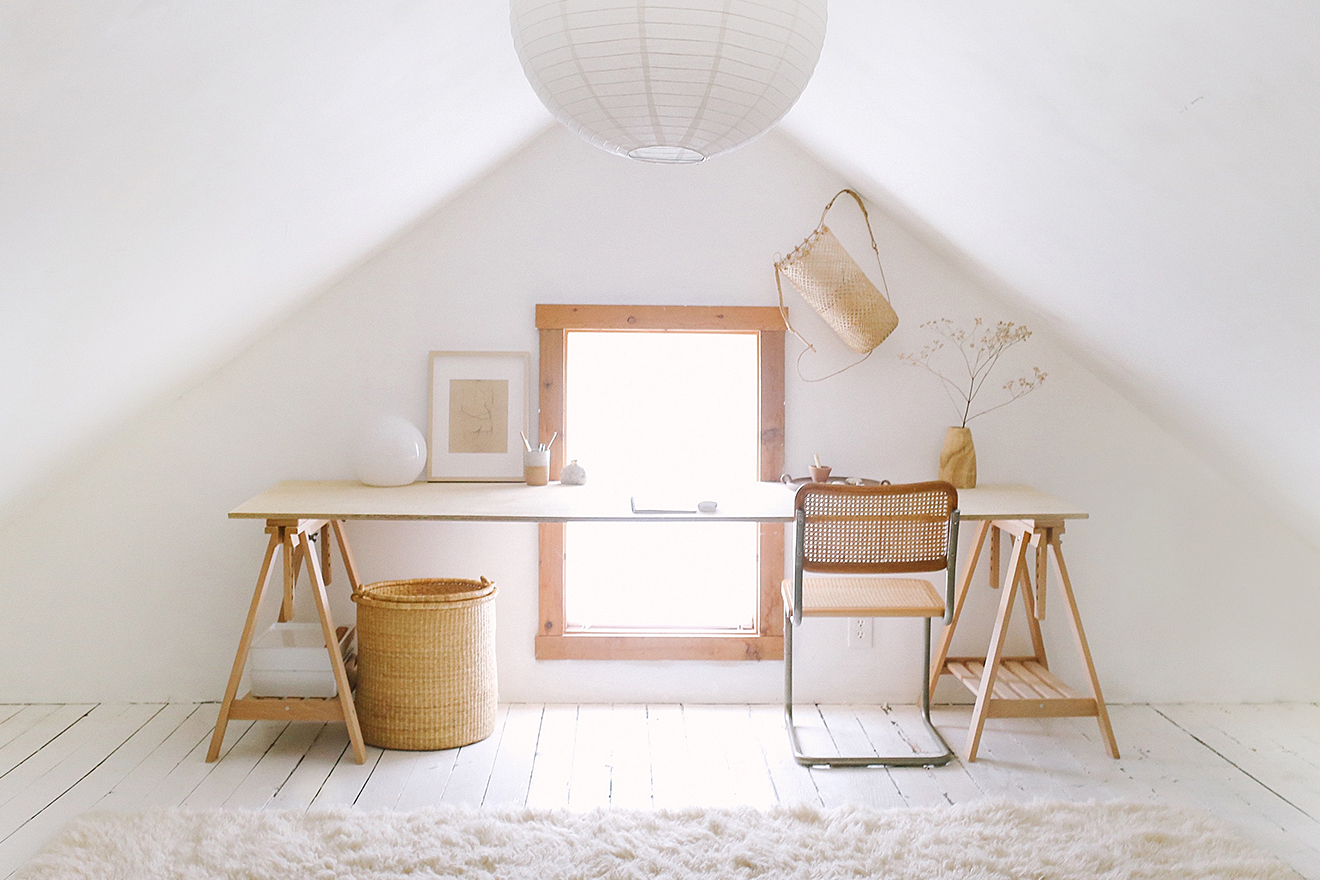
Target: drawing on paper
479,415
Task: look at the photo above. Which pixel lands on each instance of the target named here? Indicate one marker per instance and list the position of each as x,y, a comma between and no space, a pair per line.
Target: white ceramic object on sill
572,474
390,452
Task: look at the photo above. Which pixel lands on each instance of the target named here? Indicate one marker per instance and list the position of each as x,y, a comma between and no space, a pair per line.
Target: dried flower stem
980,349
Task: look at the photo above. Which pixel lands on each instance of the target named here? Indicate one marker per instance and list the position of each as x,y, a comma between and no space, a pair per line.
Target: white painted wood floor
1257,767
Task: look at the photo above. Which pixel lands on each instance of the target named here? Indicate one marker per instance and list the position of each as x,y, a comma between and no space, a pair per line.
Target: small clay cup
819,474
536,467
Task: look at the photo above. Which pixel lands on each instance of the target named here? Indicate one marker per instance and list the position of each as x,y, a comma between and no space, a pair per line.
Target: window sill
584,646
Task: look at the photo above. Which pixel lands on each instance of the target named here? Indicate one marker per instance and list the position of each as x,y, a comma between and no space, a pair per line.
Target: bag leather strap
884,285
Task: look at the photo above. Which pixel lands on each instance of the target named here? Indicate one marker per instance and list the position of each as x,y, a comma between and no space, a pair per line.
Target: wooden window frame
554,323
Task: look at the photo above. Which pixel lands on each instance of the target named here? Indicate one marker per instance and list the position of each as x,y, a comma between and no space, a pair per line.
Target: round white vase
572,474
390,452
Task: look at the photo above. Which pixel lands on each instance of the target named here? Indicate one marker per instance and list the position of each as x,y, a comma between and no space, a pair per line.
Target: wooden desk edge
998,515
507,518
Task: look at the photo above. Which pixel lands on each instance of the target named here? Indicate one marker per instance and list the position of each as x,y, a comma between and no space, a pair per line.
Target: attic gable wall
177,177
124,580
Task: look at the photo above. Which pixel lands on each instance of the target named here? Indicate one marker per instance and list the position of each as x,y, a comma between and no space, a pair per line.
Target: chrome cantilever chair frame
921,759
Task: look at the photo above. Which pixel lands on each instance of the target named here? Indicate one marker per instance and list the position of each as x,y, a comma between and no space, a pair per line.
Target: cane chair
848,539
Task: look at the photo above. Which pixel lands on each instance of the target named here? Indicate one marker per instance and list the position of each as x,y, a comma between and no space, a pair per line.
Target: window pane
669,416
660,576
664,408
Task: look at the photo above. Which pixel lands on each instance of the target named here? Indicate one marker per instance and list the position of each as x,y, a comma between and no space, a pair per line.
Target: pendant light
670,81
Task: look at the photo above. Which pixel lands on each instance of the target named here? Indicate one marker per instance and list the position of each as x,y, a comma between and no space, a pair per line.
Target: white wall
123,579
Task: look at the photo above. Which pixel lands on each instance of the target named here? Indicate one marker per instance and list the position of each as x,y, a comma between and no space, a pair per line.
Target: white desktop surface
509,502
1014,502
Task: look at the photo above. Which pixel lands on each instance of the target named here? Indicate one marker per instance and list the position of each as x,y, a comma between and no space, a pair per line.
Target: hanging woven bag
832,283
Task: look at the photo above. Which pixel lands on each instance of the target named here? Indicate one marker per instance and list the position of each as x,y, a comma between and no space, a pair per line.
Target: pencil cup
536,467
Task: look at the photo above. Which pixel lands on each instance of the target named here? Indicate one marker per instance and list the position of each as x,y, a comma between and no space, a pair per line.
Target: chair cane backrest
875,529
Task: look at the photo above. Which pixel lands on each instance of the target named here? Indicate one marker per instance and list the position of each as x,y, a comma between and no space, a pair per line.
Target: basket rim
365,594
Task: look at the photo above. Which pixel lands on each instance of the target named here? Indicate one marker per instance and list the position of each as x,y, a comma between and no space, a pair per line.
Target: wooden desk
1017,687
295,512
501,502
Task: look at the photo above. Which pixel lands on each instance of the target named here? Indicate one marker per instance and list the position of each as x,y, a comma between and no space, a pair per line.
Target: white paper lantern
390,452
673,81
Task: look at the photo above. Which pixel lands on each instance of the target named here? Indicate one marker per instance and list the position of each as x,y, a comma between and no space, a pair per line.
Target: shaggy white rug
980,840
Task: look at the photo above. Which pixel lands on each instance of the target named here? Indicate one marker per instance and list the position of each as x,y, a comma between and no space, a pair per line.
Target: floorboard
44,730
1288,769
16,723
589,778
553,759
274,767
427,782
108,753
45,776
1257,768
792,783
191,770
307,779
346,781
630,770
752,784
473,766
388,780
134,790
672,778
512,774
705,757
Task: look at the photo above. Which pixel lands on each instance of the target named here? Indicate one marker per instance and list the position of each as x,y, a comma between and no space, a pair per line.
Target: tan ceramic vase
958,459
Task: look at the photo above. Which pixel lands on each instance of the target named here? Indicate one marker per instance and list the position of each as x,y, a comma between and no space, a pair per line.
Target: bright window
667,402
671,416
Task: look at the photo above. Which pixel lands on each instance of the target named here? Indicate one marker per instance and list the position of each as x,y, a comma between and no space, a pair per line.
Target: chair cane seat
866,597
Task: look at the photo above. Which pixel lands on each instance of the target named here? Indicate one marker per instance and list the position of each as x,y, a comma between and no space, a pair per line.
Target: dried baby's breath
980,347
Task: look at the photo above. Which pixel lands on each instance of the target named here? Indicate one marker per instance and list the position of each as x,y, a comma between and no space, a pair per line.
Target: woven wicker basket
426,663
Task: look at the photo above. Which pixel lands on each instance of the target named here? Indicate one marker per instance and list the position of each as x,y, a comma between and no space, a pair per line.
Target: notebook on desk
660,504
651,504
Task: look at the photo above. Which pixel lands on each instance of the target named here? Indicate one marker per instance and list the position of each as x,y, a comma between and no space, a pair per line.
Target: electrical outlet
859,632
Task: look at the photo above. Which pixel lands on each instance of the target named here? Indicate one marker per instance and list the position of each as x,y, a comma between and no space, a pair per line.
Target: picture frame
479,408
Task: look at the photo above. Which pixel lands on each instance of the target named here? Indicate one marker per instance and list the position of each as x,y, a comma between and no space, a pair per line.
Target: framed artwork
479,406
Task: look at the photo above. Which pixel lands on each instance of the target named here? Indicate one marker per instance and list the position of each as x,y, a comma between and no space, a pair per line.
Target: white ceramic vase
572,474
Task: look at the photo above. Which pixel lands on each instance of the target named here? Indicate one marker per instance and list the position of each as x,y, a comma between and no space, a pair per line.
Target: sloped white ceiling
1144,175
175,176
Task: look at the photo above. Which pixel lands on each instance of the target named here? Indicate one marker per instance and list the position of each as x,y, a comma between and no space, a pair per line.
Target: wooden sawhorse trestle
1020,687
293,539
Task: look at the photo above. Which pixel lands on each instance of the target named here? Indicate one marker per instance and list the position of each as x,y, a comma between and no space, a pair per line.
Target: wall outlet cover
859,632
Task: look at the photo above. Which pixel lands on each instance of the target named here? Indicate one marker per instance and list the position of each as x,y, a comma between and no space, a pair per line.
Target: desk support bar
244,644
959,598
1102,713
